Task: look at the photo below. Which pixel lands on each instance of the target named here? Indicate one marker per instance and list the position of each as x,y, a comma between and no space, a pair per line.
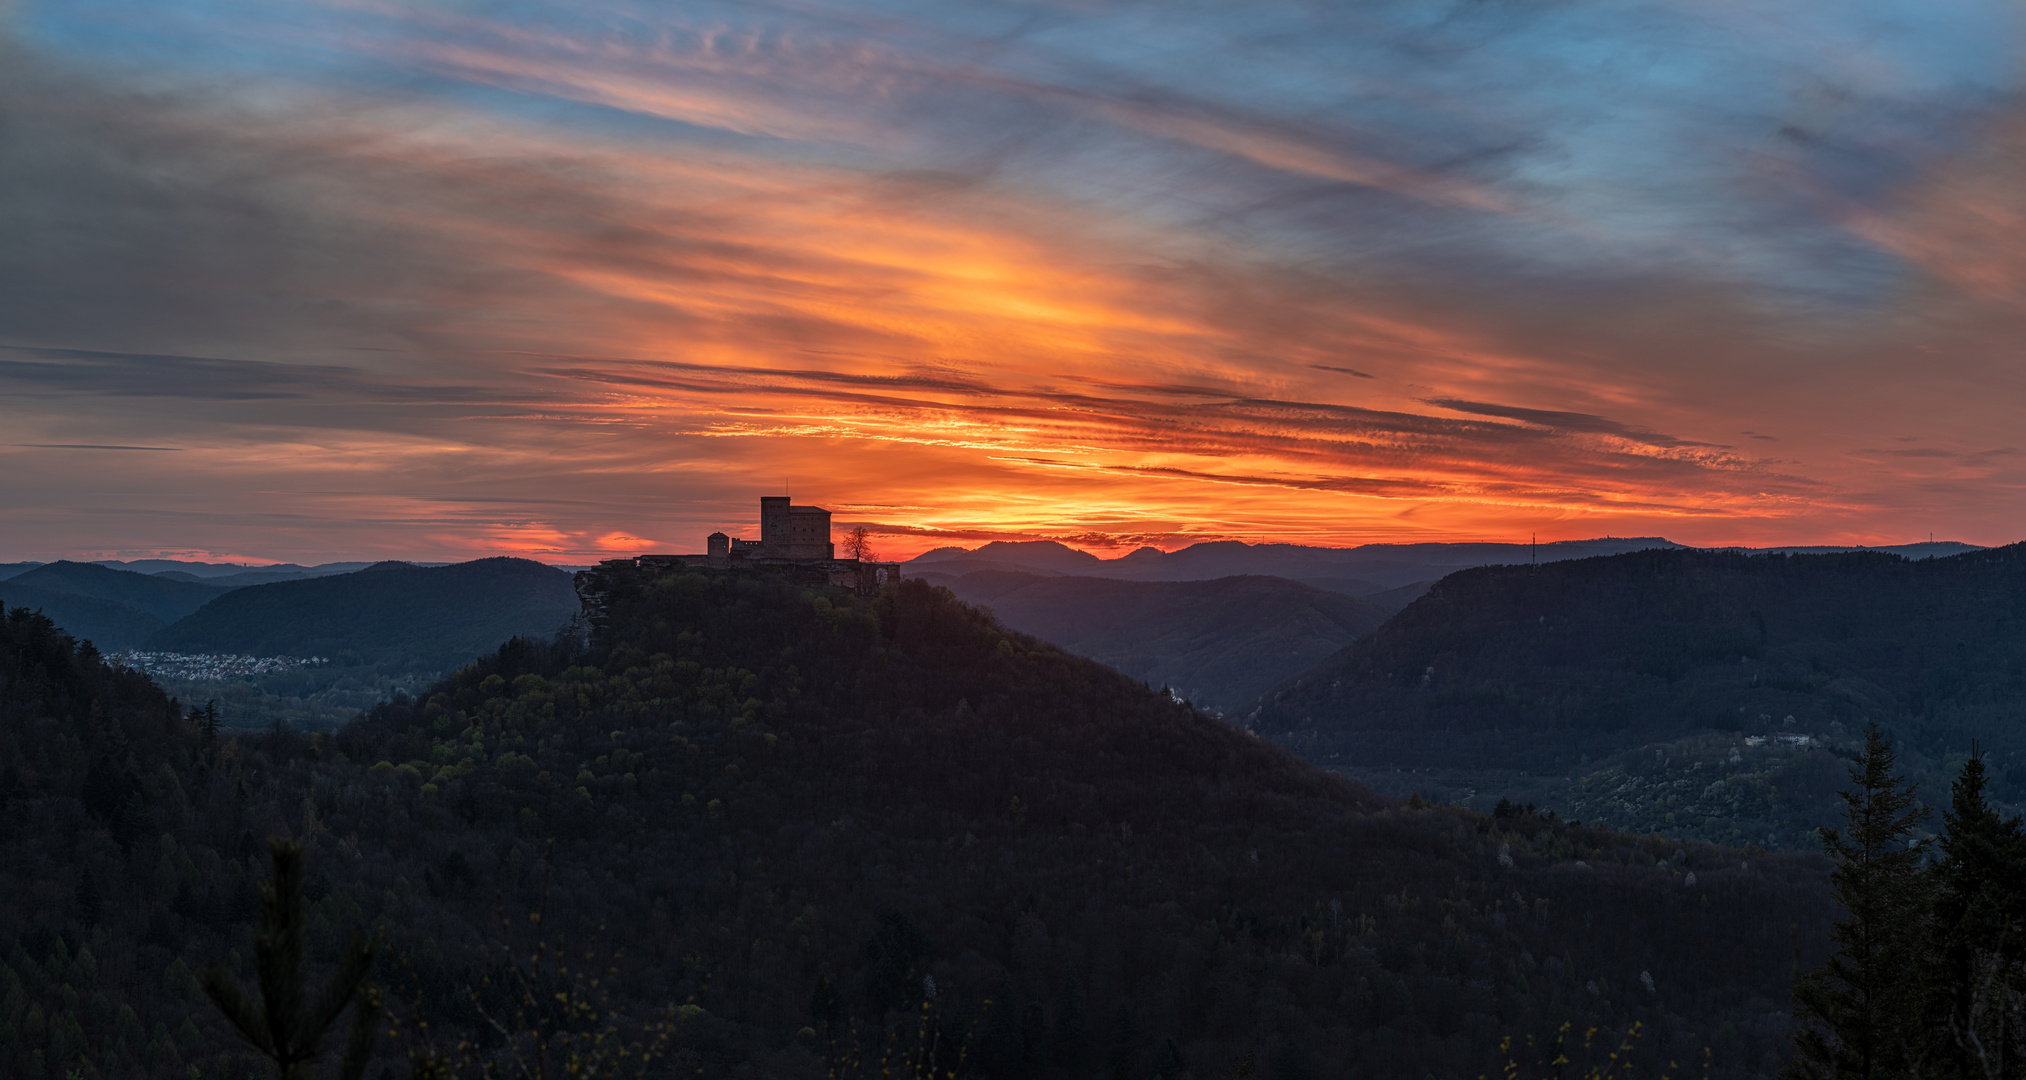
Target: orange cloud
1966,225
567,344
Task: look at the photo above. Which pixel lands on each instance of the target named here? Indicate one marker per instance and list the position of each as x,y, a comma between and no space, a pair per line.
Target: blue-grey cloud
496,255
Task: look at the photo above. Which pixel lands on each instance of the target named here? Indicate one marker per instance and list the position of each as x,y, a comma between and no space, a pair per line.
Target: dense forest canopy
1545,667
108,624
164,598
1218,644
763,789
416,618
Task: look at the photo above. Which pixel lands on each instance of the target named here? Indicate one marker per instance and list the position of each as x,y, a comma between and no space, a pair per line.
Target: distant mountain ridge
264,575
108,625
206,571
164,598
1219,643
1546,670
423,618
1354,571
402,617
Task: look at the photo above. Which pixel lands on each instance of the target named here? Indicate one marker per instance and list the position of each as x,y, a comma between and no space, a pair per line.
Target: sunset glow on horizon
360,279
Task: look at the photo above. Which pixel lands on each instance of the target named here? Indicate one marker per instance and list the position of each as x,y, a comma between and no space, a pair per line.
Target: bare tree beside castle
858,545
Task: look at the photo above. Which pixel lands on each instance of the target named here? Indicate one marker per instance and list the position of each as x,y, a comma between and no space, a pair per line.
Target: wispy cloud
90,446
406,280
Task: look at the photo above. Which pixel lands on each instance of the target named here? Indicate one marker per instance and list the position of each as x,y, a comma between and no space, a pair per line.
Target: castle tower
788,531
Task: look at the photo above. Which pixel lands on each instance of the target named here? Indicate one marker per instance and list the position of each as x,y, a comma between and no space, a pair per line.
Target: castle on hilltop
787,531
794,542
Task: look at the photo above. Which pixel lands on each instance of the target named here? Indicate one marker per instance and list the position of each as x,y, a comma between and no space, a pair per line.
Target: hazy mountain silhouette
107,624
1355,571
1564,668
263,575
207,571
416,617
164,598
1218,643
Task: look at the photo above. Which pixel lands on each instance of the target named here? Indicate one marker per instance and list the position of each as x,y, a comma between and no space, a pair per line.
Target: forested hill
1218,644
765,786
107,623
163,598
1543,666
757,787
421,618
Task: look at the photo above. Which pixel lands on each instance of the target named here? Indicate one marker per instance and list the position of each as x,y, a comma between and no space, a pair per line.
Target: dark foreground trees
287,1023
1854,1011
1929,975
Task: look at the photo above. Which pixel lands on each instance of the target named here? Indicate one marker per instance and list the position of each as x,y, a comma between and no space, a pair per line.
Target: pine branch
225,992
283,1026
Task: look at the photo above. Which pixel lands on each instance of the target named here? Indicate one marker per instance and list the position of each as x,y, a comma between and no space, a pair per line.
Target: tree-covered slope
759,788
1359,571
1548,667
108,624
762,787
1219,643
165,598
101,789
392,614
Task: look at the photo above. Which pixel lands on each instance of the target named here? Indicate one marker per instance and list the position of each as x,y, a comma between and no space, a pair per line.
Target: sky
306,280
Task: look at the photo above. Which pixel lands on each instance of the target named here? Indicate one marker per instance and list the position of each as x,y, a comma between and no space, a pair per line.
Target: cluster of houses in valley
209,667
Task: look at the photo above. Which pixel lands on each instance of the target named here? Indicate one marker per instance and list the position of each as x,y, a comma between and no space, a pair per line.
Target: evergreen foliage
287,1025
166,599
392,615
1929,974
1856,1014
108,623
1219,643
1539,666
1971,960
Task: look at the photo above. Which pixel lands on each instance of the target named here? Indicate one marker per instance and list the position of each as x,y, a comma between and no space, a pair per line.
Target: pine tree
1969,972
1123,1060
205,720
1034,1043
1001,1053
1854,1015
1072,1032
286,1025
1290,1062
90,904
825,1014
